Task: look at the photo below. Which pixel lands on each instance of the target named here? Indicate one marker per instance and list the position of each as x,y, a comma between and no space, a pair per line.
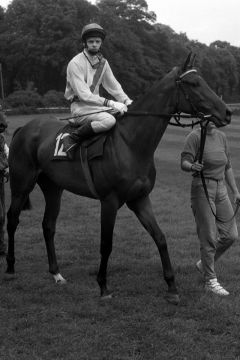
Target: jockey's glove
118,106
128,102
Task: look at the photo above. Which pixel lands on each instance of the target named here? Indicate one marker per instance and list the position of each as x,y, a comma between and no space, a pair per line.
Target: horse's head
3,121
195,97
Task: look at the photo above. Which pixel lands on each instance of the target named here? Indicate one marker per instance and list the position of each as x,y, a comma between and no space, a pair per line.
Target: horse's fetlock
10,259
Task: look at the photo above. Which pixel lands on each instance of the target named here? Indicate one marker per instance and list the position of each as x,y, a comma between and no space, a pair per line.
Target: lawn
41,320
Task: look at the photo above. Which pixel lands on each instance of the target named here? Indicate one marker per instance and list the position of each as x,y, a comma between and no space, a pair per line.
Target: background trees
39,37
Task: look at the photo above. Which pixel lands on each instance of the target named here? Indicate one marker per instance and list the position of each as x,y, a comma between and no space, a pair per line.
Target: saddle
87,151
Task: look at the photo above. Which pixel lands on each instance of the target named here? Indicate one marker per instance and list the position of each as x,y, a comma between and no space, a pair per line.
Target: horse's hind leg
52,194
143,210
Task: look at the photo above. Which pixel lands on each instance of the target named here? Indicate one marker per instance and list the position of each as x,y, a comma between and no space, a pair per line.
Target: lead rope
202,144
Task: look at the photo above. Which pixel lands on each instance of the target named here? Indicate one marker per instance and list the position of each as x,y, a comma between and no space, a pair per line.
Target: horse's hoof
10,271
106,295
59,279
2,259
172,298
9,276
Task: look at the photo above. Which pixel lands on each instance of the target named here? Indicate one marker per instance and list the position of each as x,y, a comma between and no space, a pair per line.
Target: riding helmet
92,30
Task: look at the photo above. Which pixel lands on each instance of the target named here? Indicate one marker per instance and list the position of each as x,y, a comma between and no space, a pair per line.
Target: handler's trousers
2,213
215,237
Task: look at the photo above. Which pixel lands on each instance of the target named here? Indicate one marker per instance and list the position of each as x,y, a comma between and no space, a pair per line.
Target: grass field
40,320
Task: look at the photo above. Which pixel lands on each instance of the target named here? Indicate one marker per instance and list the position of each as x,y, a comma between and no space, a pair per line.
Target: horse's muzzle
228,116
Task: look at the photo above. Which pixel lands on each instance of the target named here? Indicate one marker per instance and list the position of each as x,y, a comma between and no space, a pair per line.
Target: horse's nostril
228,112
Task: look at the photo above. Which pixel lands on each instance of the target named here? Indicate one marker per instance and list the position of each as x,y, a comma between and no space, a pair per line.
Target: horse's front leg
143,210
12,223
109,208
52,194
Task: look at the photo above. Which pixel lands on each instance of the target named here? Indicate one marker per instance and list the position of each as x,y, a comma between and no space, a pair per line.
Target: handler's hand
6,174
197,166
237,198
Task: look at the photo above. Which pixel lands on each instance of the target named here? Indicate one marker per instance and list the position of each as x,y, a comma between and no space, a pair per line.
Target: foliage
54,98
39,37
24,99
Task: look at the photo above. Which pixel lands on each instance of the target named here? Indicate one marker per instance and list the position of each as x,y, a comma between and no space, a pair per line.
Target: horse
125,175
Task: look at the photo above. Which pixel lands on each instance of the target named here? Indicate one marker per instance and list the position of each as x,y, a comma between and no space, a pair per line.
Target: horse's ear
193,58
189,62
186,63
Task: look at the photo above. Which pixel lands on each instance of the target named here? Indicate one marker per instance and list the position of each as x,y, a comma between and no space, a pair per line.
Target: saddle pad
59,153
94,146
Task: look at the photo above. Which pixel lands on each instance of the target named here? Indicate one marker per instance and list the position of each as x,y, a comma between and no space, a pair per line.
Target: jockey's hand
128,102
197,166
6,174
118,106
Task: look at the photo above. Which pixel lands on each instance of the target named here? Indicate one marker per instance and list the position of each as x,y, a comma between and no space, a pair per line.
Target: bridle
194,111
177,115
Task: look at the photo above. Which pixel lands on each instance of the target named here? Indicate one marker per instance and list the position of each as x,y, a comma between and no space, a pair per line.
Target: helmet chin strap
92,52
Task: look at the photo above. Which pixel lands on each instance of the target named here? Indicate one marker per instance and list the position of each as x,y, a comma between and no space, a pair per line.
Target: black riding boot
77,137
2,244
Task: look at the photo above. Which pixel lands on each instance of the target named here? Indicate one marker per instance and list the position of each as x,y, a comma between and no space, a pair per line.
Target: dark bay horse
126,174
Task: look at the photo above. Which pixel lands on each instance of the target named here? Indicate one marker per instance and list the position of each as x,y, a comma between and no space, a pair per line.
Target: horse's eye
192,82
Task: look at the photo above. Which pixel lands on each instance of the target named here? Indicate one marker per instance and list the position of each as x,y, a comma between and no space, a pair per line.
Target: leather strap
87,172
202,144
97,74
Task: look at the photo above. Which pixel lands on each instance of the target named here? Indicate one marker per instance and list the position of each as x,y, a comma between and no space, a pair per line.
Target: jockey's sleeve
110,83
75,76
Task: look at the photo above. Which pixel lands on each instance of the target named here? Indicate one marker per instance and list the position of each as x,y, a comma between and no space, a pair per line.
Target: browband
187,72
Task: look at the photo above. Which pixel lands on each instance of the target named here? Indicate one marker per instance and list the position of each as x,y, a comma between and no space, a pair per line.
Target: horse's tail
27,205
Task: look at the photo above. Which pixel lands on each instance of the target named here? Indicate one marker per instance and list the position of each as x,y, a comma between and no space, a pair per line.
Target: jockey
85,73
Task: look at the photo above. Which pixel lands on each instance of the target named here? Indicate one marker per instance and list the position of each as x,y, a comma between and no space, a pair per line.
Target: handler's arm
188,156
229,176
187,165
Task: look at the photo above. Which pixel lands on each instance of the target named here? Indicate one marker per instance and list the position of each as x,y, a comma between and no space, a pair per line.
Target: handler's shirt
216,156
3,154
80,75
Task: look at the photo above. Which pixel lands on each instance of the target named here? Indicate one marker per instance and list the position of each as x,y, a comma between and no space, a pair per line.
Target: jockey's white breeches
100,122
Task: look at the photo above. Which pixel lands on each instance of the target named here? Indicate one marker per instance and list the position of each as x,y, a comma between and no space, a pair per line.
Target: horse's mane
151,88
15,131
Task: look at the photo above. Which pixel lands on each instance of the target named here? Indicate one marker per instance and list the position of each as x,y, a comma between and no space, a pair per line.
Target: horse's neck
143,133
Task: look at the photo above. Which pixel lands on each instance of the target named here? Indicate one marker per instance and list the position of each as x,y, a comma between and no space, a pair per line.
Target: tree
40,38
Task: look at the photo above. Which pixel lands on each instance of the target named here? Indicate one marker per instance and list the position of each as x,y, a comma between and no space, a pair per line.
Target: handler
4,174
85,73
215,236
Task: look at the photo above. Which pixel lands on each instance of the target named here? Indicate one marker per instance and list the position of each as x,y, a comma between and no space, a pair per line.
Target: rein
202,144
177,115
